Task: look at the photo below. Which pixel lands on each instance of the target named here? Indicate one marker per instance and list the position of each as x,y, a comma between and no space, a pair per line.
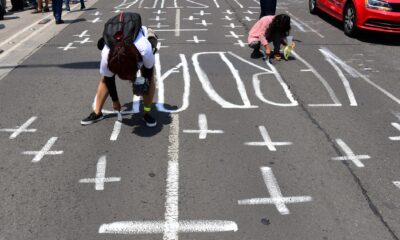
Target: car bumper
381,21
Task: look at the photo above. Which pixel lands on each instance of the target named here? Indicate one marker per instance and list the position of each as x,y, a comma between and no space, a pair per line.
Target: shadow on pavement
75,20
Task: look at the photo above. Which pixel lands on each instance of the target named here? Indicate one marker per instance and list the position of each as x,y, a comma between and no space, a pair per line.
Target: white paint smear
397,184
397,126
276,195
117,128
350,156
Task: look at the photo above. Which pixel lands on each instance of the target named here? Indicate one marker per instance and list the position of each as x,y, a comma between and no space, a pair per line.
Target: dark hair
281,24
123,60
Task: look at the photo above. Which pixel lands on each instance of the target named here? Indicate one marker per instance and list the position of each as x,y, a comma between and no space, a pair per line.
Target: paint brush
266,57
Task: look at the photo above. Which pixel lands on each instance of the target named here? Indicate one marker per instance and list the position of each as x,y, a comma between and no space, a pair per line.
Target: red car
376,15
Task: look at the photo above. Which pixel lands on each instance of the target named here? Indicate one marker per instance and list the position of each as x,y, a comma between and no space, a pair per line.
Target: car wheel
312,6
349,20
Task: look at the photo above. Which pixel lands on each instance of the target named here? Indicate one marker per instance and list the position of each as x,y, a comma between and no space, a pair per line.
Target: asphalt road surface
300,149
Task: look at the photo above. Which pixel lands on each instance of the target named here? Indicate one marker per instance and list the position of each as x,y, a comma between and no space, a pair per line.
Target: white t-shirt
143,46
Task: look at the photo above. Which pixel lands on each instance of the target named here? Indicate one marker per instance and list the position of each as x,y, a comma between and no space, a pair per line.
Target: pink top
259,32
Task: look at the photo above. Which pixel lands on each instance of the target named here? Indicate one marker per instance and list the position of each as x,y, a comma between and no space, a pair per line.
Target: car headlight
378,5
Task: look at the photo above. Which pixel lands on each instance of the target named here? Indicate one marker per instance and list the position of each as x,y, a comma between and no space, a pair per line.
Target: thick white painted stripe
47,153
356,157
177,22
326,105
172,187
157,227
106,179
203,126
117,128
356,73
100,173
298,25
322,80
395,138
262,201
396,114
13,130
397,184
305,70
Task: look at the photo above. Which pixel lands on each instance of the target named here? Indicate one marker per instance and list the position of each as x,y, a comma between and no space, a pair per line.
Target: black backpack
123,27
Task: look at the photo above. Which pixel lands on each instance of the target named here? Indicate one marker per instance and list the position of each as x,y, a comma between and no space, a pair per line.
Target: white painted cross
350,156
96,14
227,18
250,12
159,12
83,34
159,25
195,39
100,175
267,140
240,43
203,128
44,151
204,23
68,47
157,19
191,18
397,184
117,11
202,13
20,129
248,19
159,46
397,126
233,34
275,193
86,40
232,25
229,12
96,20
171,225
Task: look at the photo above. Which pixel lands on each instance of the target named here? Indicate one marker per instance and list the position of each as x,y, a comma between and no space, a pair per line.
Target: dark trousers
268,7
17,5
57,9
275,38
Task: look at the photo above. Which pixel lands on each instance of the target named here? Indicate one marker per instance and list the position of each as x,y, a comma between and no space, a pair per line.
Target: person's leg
83,4
101,96
147,103
57,10
256,52
67,5
276,40
46,5
263,8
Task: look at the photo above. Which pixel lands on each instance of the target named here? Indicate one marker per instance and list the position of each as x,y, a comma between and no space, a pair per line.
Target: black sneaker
93,117
256,54
149,120
59,22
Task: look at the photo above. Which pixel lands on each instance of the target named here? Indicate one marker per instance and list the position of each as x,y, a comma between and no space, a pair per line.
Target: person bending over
273,29
125,60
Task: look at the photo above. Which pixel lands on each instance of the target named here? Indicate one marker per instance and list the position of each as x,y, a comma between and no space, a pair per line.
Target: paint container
289,40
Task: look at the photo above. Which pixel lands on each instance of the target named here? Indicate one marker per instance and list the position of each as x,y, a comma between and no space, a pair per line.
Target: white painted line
83,34
298,25
159,25
233,34
171,226
267,140
332,94
248,19
203,128
86,40
250,12
96,20
275,193
216,3
250,63
397,184
228,12
396,114
96,14
305,70
44,151
199,4
177,22
354,73
397,126
204,23
68,47
159,46
160,83
294,18
117,128
201,13
20,129
232,25
350,156
240,5
157,19
208,88
100,178
240,43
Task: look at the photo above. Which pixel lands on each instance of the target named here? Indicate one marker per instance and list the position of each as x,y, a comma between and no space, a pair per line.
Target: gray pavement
337,99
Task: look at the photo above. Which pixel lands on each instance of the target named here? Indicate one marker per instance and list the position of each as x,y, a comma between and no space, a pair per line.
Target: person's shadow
140,128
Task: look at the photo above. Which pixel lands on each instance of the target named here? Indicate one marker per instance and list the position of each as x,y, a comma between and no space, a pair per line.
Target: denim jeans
57,9
67,3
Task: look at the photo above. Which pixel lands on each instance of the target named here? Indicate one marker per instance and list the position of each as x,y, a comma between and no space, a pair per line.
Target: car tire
312,6
350,20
